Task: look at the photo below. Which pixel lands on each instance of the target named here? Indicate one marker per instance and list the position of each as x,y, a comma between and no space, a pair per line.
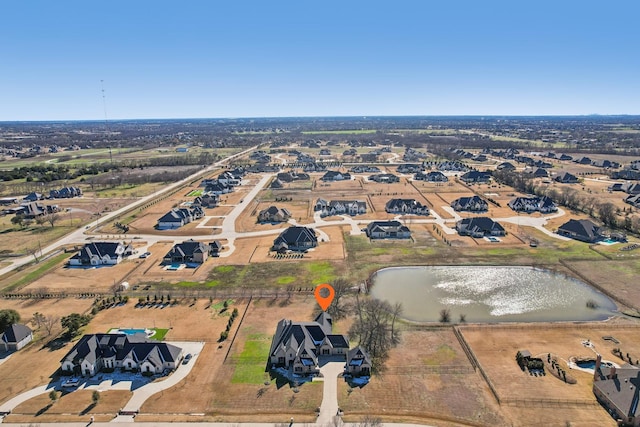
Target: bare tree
52,218
370,421
338,308
445,315
607,214
33,251
38,319
40,220
374,328
49,322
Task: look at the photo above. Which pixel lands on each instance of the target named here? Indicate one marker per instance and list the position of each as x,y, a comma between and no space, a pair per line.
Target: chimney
596,370
612,373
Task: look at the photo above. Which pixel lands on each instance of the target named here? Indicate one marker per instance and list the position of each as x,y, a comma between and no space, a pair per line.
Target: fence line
474,360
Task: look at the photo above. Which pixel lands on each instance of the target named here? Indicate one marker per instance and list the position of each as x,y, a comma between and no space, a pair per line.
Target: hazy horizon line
361,117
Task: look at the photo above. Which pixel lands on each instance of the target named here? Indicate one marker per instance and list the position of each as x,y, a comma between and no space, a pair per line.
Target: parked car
187,358
145,255
71,382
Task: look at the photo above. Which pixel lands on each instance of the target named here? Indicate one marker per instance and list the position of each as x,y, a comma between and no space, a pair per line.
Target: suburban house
387,230
215,248
100,253
452,165
633,200
6,201
95,352
228,179
188,251
296,238
631,188
33,197
567,178
505,166
538,173
542,204
409,168
384,178
358,363
336,176
65,193
207,200
616,389
580,229
292,176
274,214
433,176
479,227
216,187
298,345
14,337
340,207
364,168
470,204
34,209
583,161
476,177
177,217
406,206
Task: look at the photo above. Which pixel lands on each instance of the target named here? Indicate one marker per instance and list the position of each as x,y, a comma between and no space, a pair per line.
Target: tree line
608,213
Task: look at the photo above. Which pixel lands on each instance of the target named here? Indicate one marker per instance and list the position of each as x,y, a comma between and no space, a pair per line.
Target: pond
489,294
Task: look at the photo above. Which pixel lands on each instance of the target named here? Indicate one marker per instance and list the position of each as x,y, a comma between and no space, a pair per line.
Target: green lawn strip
195,193
160,334
34,275
285,280
251,363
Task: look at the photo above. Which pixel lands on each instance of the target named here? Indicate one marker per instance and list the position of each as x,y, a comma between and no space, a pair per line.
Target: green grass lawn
160,334
38,272
251,363
195,193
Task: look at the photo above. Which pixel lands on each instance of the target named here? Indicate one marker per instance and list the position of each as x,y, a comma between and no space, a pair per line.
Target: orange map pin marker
324,301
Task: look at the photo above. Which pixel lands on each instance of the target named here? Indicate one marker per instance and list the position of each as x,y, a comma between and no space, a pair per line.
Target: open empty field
84,279
427,377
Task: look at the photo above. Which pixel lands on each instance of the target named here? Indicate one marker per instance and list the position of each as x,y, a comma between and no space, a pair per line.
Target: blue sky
161,59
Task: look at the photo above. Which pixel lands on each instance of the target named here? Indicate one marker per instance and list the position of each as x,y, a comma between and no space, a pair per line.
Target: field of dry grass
520,393
427,377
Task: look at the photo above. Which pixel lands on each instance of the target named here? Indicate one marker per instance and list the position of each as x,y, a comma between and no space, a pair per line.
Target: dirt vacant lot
428,377
522,394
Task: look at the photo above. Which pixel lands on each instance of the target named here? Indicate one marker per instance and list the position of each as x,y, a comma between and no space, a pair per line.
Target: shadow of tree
43,410
86,410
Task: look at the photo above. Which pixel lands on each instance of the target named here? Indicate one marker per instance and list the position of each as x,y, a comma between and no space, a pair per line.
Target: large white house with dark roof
137,353
296,238
297,345
100,253
15,336
406,206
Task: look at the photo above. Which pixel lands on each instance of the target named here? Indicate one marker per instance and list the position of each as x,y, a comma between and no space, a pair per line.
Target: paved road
79,235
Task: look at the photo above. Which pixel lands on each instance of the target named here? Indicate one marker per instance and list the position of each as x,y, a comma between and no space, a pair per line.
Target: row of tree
608,213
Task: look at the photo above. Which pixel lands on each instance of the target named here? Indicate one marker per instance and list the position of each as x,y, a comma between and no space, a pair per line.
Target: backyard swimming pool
132,331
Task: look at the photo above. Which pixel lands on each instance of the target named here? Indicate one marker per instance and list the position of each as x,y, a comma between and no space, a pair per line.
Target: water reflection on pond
489,294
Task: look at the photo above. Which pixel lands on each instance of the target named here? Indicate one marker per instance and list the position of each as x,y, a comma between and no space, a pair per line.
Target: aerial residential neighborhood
209,278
